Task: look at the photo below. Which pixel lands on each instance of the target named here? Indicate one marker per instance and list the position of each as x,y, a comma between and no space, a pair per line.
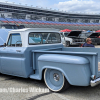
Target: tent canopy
65,30
98,31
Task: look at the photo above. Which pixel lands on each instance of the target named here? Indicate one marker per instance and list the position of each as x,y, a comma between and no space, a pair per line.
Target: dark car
95,37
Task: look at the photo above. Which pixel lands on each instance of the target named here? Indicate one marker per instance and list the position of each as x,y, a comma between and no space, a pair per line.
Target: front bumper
78,42
95,82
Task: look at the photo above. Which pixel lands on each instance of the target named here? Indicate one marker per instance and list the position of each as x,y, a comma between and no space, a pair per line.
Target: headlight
73,41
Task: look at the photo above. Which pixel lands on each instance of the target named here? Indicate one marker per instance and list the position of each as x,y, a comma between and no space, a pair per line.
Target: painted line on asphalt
60,96
40,95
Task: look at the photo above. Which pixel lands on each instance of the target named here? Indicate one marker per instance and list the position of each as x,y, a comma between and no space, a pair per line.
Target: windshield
66,34
44,38
84,35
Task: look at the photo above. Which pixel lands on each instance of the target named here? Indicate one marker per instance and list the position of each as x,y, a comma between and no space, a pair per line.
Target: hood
74,33
94,34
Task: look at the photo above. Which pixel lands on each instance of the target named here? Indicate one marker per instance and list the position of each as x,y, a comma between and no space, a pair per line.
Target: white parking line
60,96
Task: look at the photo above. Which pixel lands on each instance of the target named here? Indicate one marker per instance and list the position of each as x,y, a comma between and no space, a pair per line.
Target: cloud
85,6
39,3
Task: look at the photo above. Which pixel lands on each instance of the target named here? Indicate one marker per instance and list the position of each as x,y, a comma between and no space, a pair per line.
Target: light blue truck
38,53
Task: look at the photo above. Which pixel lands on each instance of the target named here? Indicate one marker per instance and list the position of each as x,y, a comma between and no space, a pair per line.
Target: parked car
48,59
95,37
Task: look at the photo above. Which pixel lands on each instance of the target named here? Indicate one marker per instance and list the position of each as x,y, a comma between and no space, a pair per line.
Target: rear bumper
95,82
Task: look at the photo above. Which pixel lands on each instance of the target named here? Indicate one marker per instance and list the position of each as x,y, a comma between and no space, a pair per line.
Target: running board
35,76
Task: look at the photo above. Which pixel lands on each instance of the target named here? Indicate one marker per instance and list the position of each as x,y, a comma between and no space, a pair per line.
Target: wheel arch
59,69
67,41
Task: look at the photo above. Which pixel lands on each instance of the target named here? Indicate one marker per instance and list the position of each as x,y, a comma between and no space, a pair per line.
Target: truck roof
35,30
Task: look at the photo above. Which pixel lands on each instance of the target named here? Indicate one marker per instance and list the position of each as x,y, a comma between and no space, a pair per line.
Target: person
88,43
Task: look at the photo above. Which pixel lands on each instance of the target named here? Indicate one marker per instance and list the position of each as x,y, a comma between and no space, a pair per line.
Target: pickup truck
38,53
72,38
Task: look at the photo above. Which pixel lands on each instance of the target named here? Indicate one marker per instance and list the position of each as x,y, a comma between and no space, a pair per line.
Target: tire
67,43
55,80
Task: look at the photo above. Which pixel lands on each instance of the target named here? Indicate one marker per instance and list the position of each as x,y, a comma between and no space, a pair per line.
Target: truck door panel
11,61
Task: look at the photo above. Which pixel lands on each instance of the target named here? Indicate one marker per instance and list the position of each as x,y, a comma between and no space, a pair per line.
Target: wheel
67,43
55,80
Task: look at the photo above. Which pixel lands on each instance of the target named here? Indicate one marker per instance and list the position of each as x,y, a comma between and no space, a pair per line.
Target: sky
73,6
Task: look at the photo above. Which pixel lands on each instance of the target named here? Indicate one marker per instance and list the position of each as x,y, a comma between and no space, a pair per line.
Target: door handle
18,50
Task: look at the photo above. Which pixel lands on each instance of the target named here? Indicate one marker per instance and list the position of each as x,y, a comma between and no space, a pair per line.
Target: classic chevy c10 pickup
38,53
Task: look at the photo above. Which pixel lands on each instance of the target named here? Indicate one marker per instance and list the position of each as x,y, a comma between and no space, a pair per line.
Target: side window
14,40
54,38
66,34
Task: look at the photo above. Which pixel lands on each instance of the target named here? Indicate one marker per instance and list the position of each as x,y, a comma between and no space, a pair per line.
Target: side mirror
4,44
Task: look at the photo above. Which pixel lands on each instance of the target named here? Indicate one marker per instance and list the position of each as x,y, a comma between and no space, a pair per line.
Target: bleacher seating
17,21
4,20
10,20
23,21
44,23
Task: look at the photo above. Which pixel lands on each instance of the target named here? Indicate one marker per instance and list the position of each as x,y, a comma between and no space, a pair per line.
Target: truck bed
80,49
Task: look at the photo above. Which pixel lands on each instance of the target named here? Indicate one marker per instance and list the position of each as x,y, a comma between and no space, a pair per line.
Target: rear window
43,38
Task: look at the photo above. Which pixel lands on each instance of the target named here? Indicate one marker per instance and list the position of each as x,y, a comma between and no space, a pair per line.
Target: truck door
11,56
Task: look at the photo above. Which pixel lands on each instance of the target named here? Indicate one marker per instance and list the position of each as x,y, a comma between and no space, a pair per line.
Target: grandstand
19,16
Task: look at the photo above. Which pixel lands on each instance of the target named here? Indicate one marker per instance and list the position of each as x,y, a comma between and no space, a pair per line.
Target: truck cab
21,38
38,53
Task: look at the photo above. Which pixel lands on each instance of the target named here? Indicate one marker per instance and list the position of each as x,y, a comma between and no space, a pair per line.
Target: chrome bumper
95,82
78,42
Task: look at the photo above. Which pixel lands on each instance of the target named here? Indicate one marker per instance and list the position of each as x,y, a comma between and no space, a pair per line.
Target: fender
75,68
